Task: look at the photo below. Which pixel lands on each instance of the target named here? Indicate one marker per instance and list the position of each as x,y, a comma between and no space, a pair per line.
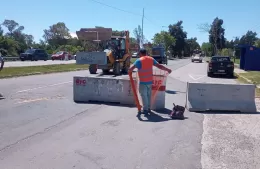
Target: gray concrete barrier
103,88
221,97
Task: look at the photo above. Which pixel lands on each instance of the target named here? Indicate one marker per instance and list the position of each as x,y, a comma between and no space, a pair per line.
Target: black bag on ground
177,112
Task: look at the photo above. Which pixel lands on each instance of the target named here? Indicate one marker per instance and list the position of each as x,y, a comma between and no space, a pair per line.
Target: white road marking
57,84
198,76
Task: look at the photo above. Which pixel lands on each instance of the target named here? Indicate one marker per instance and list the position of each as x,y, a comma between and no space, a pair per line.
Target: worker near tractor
1,67
145,64
2,62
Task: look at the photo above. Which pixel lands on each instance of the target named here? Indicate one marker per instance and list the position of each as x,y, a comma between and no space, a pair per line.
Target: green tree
207,48
138,35
15,32
176,31
57,34
257,43
217,35
1,31
190,45
165,39
249,38
8,46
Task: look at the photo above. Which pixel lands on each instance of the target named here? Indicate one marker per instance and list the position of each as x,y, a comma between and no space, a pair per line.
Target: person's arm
156,64
137,64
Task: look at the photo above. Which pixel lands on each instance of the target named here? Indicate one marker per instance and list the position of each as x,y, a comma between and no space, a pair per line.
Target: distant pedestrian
2,62
145,64
2,65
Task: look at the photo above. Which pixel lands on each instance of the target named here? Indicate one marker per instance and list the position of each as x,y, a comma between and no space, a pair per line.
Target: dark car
158,53
220,65
34,54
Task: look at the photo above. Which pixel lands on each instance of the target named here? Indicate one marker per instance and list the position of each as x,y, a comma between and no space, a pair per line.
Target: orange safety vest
146,72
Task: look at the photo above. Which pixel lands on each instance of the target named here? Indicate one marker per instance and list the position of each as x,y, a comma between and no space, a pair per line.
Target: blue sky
239,16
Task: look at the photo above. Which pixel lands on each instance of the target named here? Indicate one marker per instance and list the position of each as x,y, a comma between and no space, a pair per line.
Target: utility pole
142,30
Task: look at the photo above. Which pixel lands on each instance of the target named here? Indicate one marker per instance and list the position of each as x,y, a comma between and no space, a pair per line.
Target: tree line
57,37
218,44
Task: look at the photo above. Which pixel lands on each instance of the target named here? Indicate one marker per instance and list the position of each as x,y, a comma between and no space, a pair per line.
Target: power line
125,11
116,8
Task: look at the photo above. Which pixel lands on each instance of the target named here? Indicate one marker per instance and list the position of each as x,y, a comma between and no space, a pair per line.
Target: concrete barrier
221,97
104,89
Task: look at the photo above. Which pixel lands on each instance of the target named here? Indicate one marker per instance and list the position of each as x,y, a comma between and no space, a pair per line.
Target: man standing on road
145,64
2,62
2,65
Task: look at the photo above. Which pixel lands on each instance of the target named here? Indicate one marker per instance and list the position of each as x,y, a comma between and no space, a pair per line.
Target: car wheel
209,74
231,75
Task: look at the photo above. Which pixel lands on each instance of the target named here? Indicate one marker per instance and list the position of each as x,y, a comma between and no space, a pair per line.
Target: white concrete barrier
104,89
221,97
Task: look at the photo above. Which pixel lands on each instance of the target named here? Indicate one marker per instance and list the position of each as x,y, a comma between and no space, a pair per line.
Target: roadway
37,63
41,127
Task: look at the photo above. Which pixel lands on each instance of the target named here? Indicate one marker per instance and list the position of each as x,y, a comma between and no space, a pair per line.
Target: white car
134,55
197,58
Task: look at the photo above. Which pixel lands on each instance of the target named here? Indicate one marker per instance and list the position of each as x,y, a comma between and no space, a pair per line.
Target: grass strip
9,72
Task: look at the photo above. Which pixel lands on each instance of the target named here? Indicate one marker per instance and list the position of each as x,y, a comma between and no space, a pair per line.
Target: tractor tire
92,69
126,65
105,71
116,68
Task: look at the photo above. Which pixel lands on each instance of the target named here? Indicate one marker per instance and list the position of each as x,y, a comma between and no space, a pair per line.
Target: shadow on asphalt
224,77
173,92
106,103
155,117
227,112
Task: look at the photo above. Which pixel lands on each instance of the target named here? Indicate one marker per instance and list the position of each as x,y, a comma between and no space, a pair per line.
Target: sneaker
145,112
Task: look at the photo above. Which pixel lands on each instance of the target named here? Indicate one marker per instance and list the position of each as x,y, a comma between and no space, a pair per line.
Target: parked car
221,65
196,57
34,55
134,55
61,55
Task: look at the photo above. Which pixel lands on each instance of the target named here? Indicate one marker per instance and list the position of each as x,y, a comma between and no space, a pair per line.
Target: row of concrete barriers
200,96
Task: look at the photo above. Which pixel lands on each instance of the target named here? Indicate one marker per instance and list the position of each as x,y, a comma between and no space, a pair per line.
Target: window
59,53
30,51
122,44
220,59
157,52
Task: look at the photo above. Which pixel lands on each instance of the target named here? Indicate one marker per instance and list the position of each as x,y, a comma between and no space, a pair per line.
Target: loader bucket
92,34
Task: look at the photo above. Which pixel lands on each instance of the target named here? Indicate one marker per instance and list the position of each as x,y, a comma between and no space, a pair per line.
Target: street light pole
142,30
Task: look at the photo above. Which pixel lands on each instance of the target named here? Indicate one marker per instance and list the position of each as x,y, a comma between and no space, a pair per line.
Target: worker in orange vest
145,64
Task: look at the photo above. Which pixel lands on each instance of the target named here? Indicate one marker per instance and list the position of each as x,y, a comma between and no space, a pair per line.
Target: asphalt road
41,127
37,63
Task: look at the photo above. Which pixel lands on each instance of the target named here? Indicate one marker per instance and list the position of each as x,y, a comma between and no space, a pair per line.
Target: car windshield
220,59
58,53
30,51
